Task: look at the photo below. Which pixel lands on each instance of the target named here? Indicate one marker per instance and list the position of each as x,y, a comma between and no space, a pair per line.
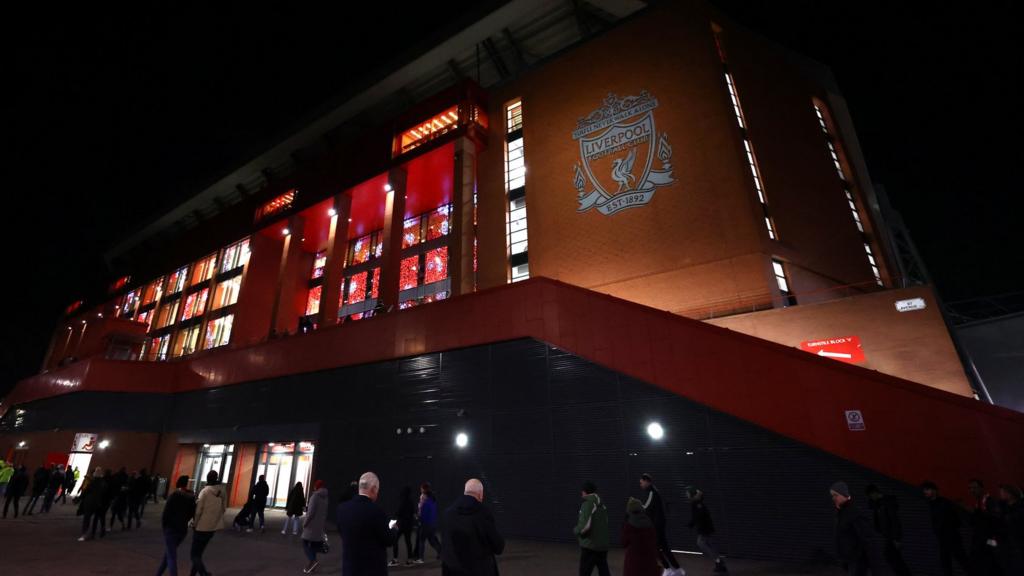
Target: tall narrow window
782,281
748,146
515,188
833,152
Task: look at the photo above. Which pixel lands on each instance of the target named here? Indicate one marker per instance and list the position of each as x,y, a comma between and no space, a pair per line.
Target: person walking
470,539
294,507
365,533
92,506
406,517
640,541
855,538
656,510
15,490
946,526
179,510
6,473
985,535
1013,525
117,489
209,518
427,531
700,521
40,479
885,512
313,534
70,479
591,532
140,494
53,487
258,498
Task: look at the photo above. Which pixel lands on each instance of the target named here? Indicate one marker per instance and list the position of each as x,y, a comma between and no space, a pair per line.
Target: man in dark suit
365,533
470,540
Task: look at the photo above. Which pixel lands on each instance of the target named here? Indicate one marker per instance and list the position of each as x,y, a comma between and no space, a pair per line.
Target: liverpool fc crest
618,145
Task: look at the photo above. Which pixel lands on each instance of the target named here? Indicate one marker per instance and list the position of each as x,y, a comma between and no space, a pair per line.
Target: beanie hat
634,506
841,488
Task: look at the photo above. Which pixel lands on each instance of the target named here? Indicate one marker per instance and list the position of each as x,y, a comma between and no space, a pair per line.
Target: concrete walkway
47,545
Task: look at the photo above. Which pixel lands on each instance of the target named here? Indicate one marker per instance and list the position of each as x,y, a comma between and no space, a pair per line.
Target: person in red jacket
640,541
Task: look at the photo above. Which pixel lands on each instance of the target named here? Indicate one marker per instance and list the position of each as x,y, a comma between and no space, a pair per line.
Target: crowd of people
465,538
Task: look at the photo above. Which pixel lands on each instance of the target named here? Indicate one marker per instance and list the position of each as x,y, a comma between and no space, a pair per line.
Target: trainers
82,538
310,567
418,561
284,532
249,529
393,562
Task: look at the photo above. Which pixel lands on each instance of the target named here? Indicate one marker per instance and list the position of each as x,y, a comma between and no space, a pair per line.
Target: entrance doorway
213,457
284,464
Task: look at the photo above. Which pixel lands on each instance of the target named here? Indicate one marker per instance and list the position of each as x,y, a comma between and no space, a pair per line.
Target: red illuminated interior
427,130
277,205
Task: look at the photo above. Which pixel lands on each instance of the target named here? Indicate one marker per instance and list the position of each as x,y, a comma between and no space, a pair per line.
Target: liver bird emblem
621,168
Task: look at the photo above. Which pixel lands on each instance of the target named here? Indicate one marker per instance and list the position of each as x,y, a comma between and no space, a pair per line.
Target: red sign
844,348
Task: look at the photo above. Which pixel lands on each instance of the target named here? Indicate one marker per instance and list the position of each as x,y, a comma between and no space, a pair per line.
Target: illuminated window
832,145
412,232
428,130
748,145
204,270
319,263
218,332
515,189
435,265
277,205
365,248
360,296
176,281
146,318
438,222
195,304
186,342
129,303
158,348
226,292
235,256
782,281
167,315
408,276
357,288
153,291
313,300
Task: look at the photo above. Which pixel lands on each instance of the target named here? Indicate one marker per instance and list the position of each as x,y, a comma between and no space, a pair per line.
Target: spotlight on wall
655,431
21,444
286,231
332,212
104,444
462,440
387,187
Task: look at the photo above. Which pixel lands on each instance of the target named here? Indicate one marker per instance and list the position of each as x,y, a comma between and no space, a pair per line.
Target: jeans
200,540
407,533
590,559
664,552
134,514
310,548
172,540
259,512
708,547
292,521
31,504
48,501
423,535
95,519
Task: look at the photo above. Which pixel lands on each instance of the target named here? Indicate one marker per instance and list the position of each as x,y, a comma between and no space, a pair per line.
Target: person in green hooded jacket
6,472
592,532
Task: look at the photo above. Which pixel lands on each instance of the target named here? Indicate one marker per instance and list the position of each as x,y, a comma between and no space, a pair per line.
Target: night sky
112,117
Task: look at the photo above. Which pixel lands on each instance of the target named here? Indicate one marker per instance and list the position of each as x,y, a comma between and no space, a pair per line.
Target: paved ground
47,545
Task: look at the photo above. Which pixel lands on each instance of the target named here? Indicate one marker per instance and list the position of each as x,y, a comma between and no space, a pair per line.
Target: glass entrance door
213,457
283,464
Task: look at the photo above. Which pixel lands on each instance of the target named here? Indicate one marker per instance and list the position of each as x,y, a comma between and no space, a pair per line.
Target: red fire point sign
844,348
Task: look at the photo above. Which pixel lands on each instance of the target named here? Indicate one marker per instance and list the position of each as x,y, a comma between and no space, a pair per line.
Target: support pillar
283,319
391,256
337,244
460,257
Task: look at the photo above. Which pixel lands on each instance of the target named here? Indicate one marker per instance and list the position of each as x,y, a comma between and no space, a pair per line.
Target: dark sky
111,117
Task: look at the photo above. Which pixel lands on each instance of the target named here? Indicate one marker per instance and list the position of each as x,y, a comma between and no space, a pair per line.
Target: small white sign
854,420
910,304
84,442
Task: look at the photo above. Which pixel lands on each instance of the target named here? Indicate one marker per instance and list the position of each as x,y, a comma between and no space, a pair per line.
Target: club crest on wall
618,146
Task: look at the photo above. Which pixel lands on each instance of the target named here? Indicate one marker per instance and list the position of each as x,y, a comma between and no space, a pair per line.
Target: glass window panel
411,232
438,222
409,273
376,283
360,250
319,263
227,292
218,332
356,288
436,262
313,300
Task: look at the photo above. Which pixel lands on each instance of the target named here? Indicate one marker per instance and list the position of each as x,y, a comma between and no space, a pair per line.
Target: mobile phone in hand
391,524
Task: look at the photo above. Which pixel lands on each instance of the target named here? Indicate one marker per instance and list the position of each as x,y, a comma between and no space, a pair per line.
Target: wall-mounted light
21,444
462,440
332,212
286,232
104,444
387,187
655,431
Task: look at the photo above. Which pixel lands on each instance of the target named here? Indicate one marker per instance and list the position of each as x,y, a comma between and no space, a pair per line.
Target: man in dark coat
365,534
700,521
258,498
470,539
656,510
53,486
15,490
885,509
1013,524
93,506
946,526
180,508
857,545
40,480
987,531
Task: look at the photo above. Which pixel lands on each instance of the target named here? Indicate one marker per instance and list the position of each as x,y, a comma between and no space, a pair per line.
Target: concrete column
337,244
460,247
391,256
283,318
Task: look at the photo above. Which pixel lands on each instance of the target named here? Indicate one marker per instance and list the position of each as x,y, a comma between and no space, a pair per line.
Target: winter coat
945,520
700,518
258,494
655,508
641,544
365,538
428,512
94,497
139,489
18,484
856,541
69,480
314,522
406,514
56,481
886,517
6,473
296,501
591,528
470,539
179,509
210,508
40,479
